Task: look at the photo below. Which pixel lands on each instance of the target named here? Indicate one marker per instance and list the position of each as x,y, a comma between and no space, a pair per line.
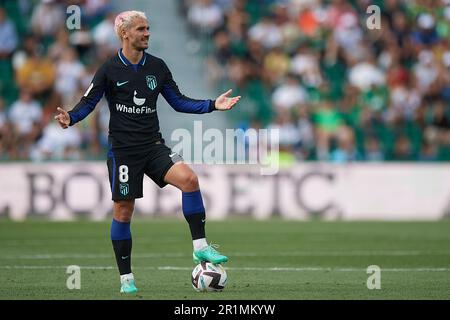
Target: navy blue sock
194,213
121,241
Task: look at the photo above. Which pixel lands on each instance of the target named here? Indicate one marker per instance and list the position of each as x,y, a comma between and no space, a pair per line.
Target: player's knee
123,211
190,183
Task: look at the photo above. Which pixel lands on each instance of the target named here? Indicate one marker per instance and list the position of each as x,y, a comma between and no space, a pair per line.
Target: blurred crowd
45,65
338,86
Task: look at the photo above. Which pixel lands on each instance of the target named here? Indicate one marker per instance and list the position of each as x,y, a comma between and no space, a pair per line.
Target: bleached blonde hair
124,19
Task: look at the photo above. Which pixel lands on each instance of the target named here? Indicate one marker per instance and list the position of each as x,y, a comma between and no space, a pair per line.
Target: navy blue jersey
132,91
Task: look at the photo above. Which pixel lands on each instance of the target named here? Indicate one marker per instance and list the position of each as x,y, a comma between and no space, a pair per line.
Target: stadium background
338,91
364,135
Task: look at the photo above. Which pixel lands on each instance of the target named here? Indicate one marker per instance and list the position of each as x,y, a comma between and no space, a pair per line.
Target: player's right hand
63,118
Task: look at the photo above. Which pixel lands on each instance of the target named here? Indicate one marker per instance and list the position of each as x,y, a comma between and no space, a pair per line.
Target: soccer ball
209,277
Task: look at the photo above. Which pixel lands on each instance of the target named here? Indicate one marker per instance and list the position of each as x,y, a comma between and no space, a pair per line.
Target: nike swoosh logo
123,258
121,83
203,220
172,154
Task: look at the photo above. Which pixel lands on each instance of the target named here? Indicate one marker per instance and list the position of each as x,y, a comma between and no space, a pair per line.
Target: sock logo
123,258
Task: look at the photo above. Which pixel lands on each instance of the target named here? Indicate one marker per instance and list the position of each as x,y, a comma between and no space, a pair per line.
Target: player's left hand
223,102
63,118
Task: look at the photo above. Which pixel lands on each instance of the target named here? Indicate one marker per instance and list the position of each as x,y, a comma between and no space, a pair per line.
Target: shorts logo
151,82
124,189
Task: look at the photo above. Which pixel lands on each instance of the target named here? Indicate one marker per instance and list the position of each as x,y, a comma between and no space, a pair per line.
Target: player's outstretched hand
63,118
223,102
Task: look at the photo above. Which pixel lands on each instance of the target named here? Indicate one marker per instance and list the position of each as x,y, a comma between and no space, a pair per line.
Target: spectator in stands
57,145
402,149
37,75
372,150
47,19
30,44
309,16
8,35
401,30
276,65
267,33
305,64
255,55
425,33
289,94
236,23
443,81
81,40
405,99
238,71
428,152
104,37
217,62
69,71
366,74
346,149
440,119
9,143
205,16
57,48
306,131
444,147
289,137
349,36
327,122
350,107
426,71
25,112
289,133
3,120
3,117
93,10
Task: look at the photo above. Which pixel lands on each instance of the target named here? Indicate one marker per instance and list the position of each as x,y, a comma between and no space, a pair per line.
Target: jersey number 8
123,173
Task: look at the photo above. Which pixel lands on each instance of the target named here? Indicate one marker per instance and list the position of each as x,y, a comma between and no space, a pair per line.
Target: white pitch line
342,269
57,267
44,256
286,269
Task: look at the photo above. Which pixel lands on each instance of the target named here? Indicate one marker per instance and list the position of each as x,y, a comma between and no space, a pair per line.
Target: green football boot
210,254
127,284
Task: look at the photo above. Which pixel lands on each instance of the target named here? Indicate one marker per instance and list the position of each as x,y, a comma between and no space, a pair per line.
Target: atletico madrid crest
124,189
151,82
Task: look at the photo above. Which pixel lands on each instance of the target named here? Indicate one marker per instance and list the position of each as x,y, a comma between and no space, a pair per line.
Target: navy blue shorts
126,169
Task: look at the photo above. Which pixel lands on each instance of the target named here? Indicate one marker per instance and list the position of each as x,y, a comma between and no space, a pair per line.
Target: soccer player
131,82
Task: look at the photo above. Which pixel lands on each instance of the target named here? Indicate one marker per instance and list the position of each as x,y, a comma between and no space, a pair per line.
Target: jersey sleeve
91,97
180,102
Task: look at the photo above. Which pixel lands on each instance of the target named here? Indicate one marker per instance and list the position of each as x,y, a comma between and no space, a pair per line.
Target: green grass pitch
272,259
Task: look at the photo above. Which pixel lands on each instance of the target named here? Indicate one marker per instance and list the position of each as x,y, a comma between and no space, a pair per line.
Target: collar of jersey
128,63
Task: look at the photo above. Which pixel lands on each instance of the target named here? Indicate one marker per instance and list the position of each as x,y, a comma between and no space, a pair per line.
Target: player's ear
123,33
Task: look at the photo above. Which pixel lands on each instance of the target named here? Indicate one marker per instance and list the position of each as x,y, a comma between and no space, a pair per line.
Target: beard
140,45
